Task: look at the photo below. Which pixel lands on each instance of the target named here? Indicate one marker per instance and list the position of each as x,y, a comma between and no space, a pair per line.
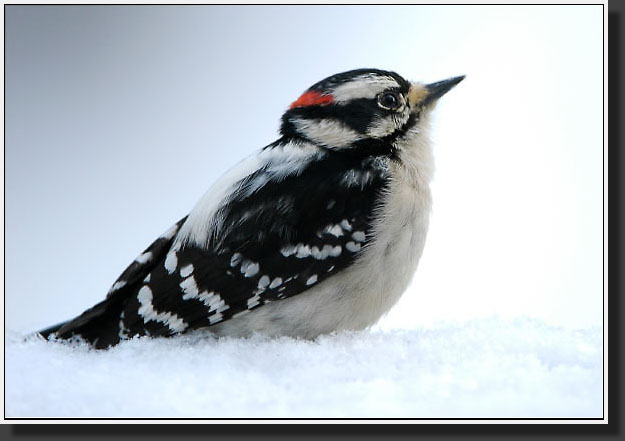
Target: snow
480,368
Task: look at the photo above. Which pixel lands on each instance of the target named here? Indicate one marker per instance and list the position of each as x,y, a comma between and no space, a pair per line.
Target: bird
318,232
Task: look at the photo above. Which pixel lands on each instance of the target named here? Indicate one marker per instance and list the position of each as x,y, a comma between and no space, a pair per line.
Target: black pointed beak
440,88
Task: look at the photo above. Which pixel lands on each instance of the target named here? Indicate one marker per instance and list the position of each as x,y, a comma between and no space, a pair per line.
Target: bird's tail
98,325
102,325
46,333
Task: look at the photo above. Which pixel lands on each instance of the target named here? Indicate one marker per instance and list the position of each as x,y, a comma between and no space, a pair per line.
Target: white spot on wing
358,236
185,271
346,225
326,251
147,311
334,230
118,285
215,318
317,253
190,288
263,282
249,268
303,251
211,300
275,282
144,258
352,246
171,262
253,301
288,250
312,279
236,259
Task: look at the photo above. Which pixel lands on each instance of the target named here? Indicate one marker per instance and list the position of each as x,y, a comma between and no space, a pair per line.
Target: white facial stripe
328,132
381,127
365,86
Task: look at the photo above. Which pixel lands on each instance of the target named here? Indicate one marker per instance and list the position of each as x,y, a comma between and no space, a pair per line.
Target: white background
119,118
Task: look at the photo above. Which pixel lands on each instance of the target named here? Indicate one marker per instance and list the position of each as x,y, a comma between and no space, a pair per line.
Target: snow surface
481,368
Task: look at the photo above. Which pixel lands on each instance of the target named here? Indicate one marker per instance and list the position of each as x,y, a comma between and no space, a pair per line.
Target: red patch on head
311,98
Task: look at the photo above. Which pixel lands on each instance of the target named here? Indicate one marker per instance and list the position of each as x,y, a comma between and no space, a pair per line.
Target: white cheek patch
384,126
366,86
328,132
381,127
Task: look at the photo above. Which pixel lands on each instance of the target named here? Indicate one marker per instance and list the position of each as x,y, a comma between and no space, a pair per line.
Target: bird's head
362,110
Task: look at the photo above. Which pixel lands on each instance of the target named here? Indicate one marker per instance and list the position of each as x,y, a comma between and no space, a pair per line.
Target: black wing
275,242
278,236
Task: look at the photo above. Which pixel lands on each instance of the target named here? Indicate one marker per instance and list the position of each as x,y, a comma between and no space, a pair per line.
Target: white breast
359,295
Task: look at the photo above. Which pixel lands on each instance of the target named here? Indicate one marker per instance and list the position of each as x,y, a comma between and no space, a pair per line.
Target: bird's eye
389,100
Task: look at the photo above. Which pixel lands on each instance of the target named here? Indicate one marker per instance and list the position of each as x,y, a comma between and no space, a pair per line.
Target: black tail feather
45,333
98,325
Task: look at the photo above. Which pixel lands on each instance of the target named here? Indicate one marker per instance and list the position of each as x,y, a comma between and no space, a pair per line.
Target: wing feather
276,241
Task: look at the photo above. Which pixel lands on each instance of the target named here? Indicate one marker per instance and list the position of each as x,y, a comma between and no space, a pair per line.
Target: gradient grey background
118,118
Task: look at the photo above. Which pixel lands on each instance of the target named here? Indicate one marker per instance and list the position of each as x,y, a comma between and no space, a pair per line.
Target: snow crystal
481,368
